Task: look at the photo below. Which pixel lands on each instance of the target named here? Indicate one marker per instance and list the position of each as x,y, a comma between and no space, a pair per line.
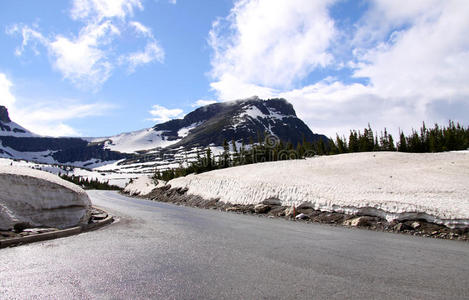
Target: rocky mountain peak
238,120
4,117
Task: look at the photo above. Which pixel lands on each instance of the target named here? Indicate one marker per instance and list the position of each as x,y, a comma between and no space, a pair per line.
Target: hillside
241,121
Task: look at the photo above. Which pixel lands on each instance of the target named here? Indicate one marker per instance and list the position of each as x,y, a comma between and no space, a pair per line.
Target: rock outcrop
4,117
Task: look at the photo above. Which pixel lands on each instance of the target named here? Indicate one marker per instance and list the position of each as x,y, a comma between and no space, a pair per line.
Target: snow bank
40,199
433,186
141,186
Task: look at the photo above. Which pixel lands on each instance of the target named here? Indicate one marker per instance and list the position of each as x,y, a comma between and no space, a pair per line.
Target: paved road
163,251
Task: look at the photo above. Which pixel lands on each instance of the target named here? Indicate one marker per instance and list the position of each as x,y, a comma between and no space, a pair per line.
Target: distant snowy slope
245,120
388,184
131,142
9,128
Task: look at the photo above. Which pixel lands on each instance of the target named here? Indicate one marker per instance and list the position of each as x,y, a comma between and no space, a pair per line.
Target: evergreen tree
402,145
235,153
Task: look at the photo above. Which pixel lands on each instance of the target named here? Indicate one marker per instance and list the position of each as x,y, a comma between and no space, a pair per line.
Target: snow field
433,186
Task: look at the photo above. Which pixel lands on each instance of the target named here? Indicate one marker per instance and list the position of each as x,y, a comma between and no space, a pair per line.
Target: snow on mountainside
392,185
140,140
9,128
131,142
165,145
239,120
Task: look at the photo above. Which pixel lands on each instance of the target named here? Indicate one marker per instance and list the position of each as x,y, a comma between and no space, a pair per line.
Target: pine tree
235,153
402,145
353,142
225,159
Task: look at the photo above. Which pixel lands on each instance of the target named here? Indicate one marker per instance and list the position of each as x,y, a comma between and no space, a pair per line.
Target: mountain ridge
240,120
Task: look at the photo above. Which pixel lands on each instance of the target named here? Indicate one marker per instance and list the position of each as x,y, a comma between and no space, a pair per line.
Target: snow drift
40,199
140,186
392,185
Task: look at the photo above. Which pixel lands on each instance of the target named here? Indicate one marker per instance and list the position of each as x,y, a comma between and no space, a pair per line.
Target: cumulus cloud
101,9
409,62
6,97
202,102
162,114
88,58
271,42
48,118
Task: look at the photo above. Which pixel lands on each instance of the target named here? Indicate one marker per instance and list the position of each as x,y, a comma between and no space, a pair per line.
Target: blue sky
101,67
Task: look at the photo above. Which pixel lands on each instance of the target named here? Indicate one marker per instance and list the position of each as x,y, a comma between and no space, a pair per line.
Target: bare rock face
40,199
4,117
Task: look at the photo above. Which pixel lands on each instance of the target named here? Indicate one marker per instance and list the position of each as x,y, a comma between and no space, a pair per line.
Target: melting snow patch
40,199
396,186
141,186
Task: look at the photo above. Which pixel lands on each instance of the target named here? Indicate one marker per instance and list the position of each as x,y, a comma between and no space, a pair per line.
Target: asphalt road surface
162,251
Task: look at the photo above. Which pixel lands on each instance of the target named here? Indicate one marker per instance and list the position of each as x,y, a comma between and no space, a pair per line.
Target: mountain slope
244,120
19,143
9,128
240,121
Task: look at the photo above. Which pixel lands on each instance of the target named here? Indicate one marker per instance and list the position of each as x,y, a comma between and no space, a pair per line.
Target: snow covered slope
13,129
433,186
131,142
40,199
9,128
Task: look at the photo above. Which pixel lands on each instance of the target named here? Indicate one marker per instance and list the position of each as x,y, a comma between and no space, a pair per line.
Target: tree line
270,148
86,183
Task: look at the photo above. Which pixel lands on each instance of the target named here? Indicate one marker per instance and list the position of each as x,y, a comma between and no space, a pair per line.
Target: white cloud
413,56
162,114
100,9
141,29
152,52
89,58
47,118
271,42
29,35
6,97
172,1
81,59
202,102
427,61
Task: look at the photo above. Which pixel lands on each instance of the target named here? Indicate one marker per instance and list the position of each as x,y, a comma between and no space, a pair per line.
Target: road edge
16,241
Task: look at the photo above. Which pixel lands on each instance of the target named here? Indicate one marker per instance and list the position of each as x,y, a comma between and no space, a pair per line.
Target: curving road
162,251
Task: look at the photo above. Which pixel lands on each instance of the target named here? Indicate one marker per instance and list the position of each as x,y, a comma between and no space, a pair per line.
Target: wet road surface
163,251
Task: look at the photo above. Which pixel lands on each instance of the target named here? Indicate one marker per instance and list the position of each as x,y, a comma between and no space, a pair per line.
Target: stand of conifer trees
88,184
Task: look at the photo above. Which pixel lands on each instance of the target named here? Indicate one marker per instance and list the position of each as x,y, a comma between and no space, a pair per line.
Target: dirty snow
433,186
141,186
40,199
